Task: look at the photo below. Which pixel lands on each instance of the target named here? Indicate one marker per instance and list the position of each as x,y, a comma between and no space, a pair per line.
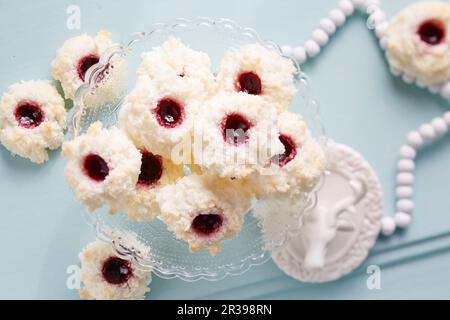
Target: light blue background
362,105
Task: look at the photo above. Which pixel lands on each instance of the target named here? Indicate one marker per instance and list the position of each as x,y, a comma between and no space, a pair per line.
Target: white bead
427,132
407,78
445,90
287,50
371,8
346,6
387,226
439,125
446,117
380,29
328,25
299,54
376,18
405,178
414,139
358,3
403,192
383,44
312,48
371,4
407,152
405,165
337,16
405,205
402,219
320,36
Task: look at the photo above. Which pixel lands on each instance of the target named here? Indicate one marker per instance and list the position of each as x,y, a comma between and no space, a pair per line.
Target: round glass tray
100,98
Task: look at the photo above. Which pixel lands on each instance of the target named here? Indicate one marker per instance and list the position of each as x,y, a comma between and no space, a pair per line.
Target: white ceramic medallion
337,236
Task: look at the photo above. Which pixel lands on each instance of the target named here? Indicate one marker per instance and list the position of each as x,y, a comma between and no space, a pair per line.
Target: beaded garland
427,132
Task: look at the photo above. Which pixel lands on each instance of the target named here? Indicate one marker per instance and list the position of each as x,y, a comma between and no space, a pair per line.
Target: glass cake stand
101,97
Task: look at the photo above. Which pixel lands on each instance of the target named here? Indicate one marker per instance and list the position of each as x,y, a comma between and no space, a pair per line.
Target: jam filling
95,167
249,82
169,113
235,129
85,63
116,270
207,224
431,32
290,151
151,169
29,114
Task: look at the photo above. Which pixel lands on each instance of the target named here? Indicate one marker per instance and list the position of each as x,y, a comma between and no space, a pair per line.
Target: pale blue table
361,103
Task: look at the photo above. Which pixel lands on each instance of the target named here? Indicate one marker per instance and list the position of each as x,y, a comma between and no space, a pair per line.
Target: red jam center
95,167
207,224
169,113
290,151
151,169
234,128
249,82
431,32
116,270
29,114
85,63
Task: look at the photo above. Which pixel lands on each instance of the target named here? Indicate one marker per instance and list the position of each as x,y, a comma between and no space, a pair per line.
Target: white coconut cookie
175,63
204,210
32,119
156,172
158,119
103,167
75,57
418,43
106,276
258,71
235,134
298,168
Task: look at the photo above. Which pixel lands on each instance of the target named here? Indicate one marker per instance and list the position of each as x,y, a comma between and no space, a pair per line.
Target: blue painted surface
362,105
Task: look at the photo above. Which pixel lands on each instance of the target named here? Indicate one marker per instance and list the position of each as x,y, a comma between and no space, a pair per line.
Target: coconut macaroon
158,118
155,173
204,210
418,43
298,168
257,70
184,68
235,135
32,119
107,276
103,167
75,57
